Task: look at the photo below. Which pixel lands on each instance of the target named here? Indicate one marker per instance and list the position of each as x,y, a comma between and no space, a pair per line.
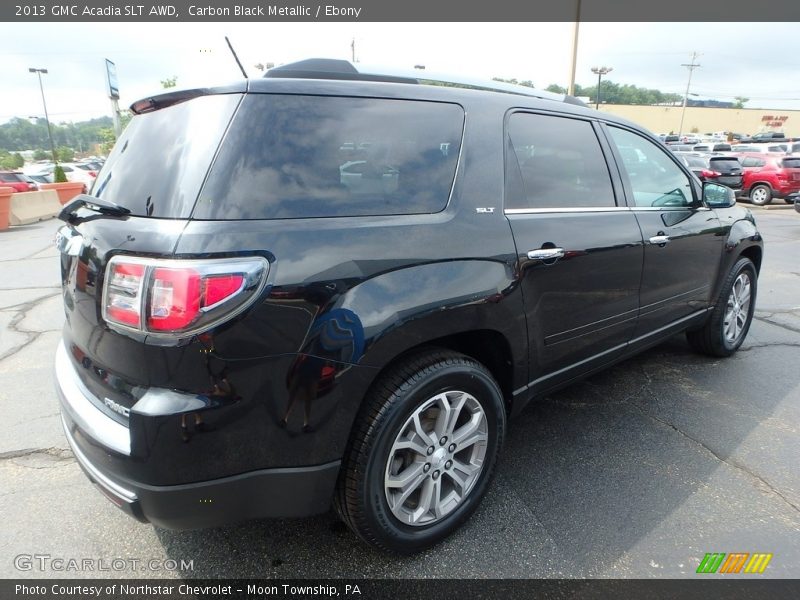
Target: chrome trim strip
598,209
591,209
116,489
75,401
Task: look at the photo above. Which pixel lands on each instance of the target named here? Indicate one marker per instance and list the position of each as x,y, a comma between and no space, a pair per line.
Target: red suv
19,181
768,176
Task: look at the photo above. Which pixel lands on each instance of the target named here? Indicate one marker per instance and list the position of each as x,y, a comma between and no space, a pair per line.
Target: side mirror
718,196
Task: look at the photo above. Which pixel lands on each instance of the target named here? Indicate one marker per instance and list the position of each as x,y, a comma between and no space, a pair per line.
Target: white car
73,171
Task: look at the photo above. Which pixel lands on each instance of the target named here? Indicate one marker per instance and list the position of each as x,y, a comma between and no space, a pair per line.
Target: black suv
327,286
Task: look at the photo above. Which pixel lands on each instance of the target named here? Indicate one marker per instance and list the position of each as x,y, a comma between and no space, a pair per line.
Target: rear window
725,164
791,163
291,157
10,177
722,147
159,163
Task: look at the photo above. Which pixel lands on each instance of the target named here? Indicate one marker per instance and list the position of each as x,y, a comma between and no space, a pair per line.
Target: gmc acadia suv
335,287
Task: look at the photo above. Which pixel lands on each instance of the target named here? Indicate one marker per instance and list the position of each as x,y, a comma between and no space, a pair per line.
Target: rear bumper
270,493
266,493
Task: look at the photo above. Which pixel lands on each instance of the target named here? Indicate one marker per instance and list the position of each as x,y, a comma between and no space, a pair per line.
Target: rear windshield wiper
99,205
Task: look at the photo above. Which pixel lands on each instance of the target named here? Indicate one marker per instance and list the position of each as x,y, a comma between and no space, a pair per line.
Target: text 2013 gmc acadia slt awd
334,287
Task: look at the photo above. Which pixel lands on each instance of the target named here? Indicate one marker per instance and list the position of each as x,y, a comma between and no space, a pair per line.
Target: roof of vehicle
342,78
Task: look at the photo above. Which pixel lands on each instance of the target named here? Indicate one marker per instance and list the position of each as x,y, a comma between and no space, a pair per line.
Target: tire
386,420
727,327
761,194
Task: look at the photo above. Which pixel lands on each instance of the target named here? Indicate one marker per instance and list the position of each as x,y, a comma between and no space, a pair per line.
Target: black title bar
405,10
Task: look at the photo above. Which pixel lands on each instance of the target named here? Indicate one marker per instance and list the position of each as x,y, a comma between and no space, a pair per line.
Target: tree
65,153
169,82
11,162
739,101
58,175
526,83
40,154
556,89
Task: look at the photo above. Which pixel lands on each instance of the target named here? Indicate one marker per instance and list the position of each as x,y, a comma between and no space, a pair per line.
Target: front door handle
546,253
659,240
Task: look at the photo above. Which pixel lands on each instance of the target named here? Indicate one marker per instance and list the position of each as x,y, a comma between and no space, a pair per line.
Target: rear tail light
708,173
162,298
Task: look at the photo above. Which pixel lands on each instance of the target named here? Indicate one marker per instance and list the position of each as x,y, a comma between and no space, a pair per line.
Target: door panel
682,238
678,276
579,253
586,302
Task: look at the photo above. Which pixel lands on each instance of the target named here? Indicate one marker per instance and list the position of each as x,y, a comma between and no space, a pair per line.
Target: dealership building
701,119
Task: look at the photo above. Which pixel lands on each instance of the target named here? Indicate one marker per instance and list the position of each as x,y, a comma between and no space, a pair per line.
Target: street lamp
600,71
46,117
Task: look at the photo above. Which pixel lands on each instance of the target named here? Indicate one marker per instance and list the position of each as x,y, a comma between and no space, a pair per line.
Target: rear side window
10,177
289,156
791,163
158,164
752,161
555,162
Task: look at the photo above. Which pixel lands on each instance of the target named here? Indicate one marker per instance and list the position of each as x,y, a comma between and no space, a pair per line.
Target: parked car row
755,175
83,171
17,180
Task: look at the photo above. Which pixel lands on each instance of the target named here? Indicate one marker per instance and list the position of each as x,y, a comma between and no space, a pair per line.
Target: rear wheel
422,452
761,194
730,320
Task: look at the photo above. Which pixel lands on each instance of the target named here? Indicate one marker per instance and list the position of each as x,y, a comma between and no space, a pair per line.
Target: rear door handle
546,253
659,240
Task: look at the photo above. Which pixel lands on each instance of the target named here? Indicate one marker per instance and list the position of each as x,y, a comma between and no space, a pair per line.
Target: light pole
600,71
46,117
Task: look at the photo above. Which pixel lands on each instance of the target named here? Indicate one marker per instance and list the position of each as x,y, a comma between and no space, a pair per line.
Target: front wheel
730,320
422,451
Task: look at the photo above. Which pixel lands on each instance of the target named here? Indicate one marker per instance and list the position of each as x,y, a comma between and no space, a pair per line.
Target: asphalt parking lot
636,472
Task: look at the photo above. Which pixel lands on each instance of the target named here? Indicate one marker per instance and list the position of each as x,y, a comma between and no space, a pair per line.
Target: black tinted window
555,162
654,178
725,164
320,156
158,164
791,163
10,177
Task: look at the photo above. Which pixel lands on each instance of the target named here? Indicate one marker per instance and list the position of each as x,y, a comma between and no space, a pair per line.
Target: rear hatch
154,174
790,166
729,169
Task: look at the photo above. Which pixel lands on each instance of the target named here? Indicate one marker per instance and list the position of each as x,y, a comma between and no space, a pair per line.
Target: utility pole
571,86
691,66
46,116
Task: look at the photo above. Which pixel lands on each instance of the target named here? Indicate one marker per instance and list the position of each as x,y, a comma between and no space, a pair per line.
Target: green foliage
65,154
694,129
58,175
739,101
526,83
20,134
169,82
612,93
40,154
10,161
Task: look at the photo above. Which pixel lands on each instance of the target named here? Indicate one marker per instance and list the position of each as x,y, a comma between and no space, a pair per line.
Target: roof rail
329,68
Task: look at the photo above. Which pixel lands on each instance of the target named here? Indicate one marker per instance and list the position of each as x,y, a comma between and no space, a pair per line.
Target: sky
734,61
